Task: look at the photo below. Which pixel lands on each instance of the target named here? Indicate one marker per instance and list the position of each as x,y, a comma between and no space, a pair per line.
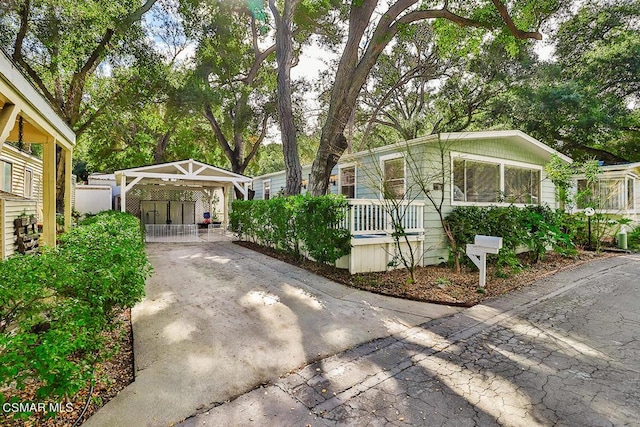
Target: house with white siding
28,183
459,169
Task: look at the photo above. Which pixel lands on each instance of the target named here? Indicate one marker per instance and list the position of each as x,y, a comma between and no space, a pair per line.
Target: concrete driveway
563,352
220,320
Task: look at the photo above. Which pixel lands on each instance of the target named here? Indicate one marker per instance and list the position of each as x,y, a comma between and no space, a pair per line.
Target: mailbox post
483,245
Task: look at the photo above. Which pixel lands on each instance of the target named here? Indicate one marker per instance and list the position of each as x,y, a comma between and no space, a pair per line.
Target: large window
393,183
521,185
266,189
5,176
607,194
348,182
475,181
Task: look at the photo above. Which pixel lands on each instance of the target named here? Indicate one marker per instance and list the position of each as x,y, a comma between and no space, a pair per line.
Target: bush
286,222
633,238
54,306
535,227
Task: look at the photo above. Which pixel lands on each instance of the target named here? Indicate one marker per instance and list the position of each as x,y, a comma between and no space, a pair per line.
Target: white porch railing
370,216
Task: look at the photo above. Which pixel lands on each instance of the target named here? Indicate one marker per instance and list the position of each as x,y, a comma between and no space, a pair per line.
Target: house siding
425,159
20,163
14,204
10,209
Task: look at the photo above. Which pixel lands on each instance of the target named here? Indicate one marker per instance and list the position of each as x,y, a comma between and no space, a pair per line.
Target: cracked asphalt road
563,352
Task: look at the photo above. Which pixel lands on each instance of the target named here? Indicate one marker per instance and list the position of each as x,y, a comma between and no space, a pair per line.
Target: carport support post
227,205
123,193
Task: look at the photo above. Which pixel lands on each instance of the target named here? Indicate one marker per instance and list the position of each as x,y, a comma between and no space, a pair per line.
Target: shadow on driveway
219,320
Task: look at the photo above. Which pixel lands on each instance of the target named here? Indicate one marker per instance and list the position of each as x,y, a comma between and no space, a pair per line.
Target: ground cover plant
58,308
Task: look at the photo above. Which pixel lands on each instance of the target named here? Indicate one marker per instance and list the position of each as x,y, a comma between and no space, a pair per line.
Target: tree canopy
153,81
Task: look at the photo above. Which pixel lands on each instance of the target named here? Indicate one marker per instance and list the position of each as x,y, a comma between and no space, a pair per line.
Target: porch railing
370,216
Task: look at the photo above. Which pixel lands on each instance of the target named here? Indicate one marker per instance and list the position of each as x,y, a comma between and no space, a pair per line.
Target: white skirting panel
370,254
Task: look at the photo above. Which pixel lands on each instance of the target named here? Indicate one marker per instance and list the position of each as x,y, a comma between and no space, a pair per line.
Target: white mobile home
461,169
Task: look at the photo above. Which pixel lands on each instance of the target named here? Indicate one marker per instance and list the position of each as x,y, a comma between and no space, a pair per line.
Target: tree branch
506,17
218,131
256,145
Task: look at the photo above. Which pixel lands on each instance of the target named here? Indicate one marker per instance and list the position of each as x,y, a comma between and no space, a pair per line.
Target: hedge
55,305
295,224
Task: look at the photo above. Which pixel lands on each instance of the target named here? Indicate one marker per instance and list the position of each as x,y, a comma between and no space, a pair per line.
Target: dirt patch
111,377
438,284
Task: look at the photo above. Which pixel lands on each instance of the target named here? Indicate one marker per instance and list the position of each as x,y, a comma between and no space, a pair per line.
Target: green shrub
54,306
534,227
286,222
633,238
317,221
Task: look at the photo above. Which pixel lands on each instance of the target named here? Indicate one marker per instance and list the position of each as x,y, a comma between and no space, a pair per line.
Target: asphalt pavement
563,352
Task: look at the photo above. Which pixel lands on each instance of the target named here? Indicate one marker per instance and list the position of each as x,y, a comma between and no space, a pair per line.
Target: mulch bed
111,377
437,284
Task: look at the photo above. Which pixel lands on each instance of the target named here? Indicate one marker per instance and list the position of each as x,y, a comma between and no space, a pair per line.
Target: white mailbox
483,245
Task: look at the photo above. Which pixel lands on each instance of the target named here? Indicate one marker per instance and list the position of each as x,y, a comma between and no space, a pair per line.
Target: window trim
265,183
631,204
10,190
355,178
501,163
393,156
29,194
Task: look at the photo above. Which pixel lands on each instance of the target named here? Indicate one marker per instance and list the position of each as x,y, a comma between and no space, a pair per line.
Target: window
475,181
630,193
393,183
607,194
348,182
521,185
28,183
478,181
5,176
266,189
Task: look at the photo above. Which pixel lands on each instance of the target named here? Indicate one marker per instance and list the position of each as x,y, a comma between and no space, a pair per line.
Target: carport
175,199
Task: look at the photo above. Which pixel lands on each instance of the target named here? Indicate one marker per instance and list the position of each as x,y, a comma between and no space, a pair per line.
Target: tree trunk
161,146
350,77
284,57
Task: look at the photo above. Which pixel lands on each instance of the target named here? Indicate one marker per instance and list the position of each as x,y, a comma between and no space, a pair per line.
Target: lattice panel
138,194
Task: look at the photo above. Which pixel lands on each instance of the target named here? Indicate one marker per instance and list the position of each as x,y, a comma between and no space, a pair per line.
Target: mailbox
490,242
483,245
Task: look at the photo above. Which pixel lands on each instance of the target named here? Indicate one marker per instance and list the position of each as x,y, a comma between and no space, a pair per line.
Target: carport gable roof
189,170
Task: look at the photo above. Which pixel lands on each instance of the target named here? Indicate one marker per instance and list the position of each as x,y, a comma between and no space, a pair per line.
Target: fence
183,233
